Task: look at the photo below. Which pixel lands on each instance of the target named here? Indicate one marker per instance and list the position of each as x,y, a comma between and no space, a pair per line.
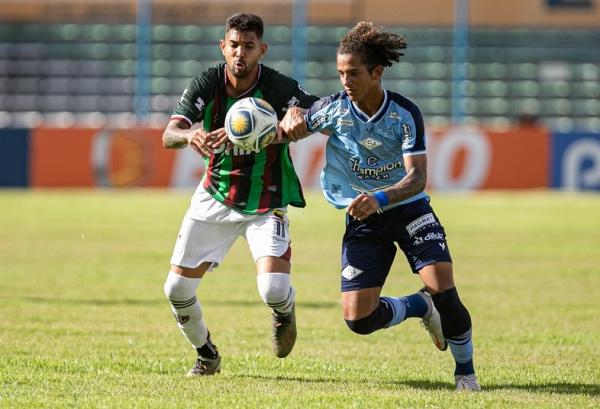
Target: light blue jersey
366,154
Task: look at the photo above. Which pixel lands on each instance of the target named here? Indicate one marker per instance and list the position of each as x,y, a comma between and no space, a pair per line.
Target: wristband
382,198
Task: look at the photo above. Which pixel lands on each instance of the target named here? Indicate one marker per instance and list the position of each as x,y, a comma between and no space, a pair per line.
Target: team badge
370,143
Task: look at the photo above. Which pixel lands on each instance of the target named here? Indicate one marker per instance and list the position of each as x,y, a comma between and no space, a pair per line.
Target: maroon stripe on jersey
240,178
268,194
210,174
276,175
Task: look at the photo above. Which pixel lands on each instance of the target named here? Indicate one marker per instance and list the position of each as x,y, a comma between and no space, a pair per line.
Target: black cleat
284,332
206,367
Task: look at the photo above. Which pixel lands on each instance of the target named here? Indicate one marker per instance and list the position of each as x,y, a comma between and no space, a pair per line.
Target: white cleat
432,322
467,383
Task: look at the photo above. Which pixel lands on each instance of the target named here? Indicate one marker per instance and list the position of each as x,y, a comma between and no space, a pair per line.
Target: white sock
276,291
181,292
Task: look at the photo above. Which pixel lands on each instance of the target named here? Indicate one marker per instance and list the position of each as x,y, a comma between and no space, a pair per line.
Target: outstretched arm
292,127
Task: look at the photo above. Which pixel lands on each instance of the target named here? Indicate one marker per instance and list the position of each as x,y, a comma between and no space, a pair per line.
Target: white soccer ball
251,124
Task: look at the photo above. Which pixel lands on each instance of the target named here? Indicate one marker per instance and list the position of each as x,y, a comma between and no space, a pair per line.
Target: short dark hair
245,22
373,45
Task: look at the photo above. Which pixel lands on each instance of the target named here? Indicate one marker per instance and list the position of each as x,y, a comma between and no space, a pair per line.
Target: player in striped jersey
242,193
376,167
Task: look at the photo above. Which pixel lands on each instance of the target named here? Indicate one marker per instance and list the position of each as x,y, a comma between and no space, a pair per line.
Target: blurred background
510,90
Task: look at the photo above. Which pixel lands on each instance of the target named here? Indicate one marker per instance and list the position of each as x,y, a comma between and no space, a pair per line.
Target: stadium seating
62,74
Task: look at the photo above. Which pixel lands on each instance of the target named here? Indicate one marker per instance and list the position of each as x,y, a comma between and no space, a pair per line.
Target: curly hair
374,46
245,23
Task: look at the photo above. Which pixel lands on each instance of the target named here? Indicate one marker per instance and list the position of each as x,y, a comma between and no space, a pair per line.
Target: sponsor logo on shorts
430,236
350,273
419,223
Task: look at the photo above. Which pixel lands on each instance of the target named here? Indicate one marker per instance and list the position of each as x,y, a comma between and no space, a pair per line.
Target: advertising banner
14,158
459,158
576,161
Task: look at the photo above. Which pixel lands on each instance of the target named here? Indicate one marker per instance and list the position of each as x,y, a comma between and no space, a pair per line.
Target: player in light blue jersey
376,167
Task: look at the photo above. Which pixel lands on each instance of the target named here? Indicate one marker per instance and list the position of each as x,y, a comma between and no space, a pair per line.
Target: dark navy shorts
369,247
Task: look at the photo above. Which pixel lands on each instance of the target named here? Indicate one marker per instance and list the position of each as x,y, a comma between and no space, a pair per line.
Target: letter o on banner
476,163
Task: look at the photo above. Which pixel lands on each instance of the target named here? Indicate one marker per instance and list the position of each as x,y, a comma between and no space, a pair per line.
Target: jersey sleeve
196,95
283,92
320,114
412,132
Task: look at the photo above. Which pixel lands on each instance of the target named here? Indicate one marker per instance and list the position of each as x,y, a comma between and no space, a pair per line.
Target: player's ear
222,45
263,49
377,72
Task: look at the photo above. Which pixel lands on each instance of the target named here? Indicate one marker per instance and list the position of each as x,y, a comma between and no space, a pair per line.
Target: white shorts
209,239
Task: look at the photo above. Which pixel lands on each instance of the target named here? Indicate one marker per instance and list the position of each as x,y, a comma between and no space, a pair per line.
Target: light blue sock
413,305
462,351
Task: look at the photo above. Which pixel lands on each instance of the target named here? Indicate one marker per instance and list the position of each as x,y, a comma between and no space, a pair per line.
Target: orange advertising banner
467,158
99,157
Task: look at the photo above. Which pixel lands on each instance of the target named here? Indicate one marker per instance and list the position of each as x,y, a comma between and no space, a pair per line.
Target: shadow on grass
563,388
89,301
127,301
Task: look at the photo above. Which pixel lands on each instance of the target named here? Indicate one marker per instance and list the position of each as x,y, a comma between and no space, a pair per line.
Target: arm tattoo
174,139
413,183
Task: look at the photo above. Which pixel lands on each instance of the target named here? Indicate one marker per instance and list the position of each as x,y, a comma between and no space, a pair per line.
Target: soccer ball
251,124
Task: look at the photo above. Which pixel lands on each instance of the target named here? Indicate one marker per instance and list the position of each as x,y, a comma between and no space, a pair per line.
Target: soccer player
242,193
376,168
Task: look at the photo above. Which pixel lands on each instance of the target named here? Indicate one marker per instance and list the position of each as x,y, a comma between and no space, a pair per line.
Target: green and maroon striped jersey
249,182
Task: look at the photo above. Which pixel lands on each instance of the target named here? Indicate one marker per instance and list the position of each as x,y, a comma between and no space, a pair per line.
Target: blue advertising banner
14,157
575,161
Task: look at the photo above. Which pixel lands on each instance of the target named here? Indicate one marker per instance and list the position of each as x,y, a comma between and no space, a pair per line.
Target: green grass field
84,322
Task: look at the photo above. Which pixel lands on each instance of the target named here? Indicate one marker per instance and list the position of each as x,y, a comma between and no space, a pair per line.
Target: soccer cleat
467,383
432,322
284,332
206,367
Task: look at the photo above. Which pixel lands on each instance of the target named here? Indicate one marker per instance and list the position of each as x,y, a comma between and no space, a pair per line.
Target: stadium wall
483,13
461,158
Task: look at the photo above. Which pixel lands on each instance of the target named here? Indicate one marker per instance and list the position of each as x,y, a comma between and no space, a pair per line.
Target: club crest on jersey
370,143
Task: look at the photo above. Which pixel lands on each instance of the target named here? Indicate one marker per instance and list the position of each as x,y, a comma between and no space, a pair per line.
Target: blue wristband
382,198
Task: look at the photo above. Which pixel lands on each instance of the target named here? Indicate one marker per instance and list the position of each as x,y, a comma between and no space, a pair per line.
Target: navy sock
465,368
416,306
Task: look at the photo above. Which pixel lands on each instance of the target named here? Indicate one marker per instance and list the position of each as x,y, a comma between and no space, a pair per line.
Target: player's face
358,82
242,51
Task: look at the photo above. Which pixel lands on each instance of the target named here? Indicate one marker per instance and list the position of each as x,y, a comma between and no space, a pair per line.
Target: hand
293,126
204,142
362,206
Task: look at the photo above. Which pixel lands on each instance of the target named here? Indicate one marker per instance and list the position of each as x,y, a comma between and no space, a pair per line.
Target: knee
363,326
456,319
274,288
178,287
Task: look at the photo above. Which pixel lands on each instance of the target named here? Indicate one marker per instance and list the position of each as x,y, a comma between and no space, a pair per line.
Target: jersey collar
364,117
252,87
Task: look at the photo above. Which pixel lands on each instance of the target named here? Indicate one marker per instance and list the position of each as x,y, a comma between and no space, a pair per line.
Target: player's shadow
91,301
563,388
258,302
